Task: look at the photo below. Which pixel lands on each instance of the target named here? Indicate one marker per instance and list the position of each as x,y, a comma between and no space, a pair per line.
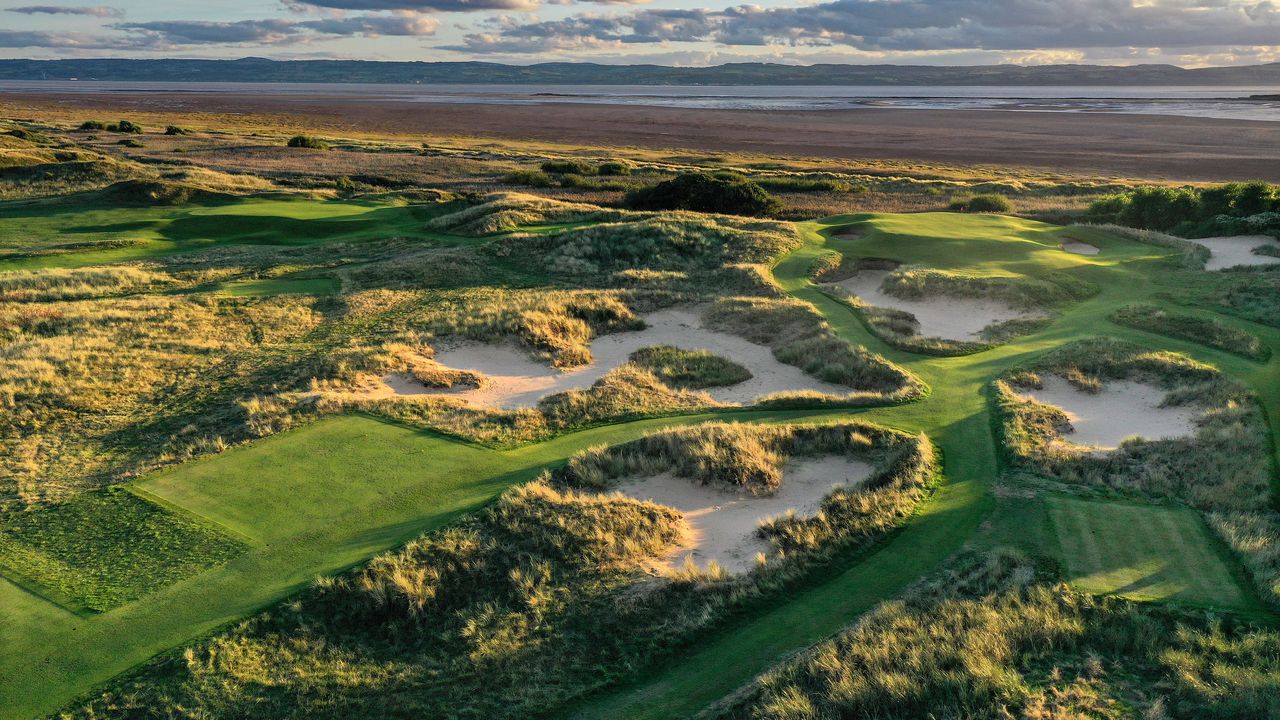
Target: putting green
330,495
1143,553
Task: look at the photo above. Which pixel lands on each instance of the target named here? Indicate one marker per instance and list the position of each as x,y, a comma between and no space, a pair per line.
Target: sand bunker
1226,252
516,380
1123,409
723,522
1078,248
951,318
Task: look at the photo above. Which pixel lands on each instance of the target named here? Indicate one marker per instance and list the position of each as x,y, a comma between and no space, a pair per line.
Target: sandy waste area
723,522
1226,252
517,380
950,318
1123,409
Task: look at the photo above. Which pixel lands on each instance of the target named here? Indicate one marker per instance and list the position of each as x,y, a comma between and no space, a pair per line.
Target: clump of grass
306,141
614,168
990,203
30,136
1190,327
530,178
689,368
562,167
804,184
131,143
58,284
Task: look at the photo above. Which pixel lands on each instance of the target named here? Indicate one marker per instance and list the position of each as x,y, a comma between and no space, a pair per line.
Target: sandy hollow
516,380
1076,247
1123,409
951,318
723,522
1226,252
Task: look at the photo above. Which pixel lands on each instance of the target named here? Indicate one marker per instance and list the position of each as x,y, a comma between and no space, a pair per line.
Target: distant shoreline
1077,144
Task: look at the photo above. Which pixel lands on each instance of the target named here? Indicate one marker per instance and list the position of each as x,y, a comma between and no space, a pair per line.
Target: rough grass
993,637
105,548
689,369
504,212
1204,330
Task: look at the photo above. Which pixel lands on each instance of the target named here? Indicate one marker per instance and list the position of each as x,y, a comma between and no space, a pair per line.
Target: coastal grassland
995,636
1202,329
1223,470
537,599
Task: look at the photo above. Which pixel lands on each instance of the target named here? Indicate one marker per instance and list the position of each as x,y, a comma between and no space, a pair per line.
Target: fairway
1143,553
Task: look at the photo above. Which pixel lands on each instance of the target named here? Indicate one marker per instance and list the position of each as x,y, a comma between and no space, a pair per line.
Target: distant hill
365,71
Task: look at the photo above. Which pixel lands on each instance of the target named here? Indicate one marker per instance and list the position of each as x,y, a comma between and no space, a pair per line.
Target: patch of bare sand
723,522
1078,248
1123,409
514,380
951,318
1226,252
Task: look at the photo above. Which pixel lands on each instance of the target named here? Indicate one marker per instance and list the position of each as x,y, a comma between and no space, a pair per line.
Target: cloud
425,5
101,11
65,41
276,31
913,26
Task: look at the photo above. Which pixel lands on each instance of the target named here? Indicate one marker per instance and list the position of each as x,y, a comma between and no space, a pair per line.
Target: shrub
561,167
530,178
93,125
130,142
982,204
788,184
306,141
125,126
176,130
701,192
1188,211
613,167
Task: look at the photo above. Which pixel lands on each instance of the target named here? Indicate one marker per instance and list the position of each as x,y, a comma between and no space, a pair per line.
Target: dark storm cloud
917,25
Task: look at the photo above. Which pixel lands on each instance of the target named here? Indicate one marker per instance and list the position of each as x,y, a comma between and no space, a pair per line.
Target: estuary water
1230,102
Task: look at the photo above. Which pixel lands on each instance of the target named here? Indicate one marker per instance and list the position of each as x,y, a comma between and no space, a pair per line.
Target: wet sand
1091,144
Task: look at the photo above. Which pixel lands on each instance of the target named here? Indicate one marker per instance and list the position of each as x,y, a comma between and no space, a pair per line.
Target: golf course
274,455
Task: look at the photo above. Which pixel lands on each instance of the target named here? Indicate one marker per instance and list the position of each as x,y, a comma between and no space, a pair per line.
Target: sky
1190,33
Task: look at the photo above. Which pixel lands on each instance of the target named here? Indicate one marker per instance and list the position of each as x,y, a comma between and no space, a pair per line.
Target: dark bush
982,204
306,141
93,125
613,167
530,178
125,126
130,142
561,167
701,192
1188,211
176,130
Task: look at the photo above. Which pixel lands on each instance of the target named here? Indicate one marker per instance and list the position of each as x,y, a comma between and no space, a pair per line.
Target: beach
1077,144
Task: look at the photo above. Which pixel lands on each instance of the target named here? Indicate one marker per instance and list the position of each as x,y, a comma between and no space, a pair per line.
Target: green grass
103,549
64,234
330,495
279,286
1143,553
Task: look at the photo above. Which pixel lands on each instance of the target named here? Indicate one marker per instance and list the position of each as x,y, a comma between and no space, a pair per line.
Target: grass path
330,495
